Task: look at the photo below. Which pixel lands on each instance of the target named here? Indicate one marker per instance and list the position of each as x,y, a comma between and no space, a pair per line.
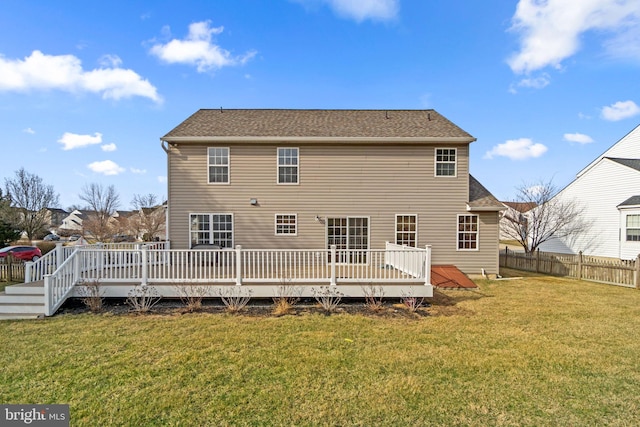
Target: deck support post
145,264
59,255
333,281
28,267
238,265
427,266
47,295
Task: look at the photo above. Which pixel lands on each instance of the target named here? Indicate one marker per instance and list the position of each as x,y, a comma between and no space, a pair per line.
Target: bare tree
31,197
552,217
102,202
149,219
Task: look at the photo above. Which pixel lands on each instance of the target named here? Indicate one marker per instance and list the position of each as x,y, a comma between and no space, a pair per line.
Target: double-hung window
407,230
467,232
218,165
286,224
288,165
211,229
446,162
633,228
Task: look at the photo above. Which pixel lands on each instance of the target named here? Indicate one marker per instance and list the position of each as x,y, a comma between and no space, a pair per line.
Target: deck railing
240,265
58,286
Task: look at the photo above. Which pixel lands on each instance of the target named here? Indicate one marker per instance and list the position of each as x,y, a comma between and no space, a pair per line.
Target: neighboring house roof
521,207
208,124
631,163
480,198
631,201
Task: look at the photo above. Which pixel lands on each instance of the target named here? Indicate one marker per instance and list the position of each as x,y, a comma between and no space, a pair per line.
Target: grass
540,351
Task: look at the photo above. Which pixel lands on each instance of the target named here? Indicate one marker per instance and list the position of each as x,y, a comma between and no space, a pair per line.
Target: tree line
26,201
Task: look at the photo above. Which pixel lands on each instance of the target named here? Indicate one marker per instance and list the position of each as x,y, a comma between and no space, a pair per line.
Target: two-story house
310,179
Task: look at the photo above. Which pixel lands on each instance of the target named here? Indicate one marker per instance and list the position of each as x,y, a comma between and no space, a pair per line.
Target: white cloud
138,171
580,138
199,50
70,141
550,30
532,83
517,149
106,167
29,131
162,179
361,10
620,110
64,72
109,147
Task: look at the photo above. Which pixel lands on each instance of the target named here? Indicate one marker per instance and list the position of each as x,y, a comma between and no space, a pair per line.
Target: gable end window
633,228
407,230
286,225
446,162
288,165
467,232
218,161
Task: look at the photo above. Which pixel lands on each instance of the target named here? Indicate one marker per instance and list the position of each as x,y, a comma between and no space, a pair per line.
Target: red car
25,253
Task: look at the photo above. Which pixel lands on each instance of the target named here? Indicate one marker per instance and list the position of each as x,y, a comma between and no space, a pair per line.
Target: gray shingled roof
631,201
480,198
632,163
318,123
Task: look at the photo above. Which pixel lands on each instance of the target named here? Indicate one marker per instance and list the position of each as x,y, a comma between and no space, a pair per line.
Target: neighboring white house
609,191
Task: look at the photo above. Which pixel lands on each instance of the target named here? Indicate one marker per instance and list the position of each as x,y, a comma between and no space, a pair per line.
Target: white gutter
313,139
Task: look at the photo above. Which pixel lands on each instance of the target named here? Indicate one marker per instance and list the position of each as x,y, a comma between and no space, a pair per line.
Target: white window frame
296,166
281,216
415,232
627,228
211,240
227,165
447,162
459,232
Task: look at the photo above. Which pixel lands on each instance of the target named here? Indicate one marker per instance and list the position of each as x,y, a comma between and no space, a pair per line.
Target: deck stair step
34,288
21,298
22,307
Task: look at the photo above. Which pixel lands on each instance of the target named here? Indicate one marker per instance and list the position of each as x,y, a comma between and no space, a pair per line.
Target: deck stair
22,301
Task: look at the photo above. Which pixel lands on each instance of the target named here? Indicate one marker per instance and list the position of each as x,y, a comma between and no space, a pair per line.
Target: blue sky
87,89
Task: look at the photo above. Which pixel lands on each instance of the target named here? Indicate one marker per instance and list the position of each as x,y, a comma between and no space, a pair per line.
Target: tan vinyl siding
370,180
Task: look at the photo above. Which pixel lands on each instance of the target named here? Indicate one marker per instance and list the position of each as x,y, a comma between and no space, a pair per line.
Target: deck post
47,295
145,264
238,265
333,266
637,283
59,254
77,261
427,266
28,267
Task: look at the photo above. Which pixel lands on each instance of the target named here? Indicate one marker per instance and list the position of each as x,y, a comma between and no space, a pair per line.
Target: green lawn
539,351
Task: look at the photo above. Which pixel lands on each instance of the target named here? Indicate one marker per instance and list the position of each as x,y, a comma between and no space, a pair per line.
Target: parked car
74,237
51,237
25,253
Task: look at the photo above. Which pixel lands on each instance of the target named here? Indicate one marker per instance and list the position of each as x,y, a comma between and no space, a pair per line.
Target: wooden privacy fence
583,267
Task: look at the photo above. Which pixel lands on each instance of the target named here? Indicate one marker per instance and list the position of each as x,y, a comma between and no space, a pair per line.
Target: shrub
373,296
411,302
234,298
328,297
192,295
46,247
286,297
92,295
142,298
